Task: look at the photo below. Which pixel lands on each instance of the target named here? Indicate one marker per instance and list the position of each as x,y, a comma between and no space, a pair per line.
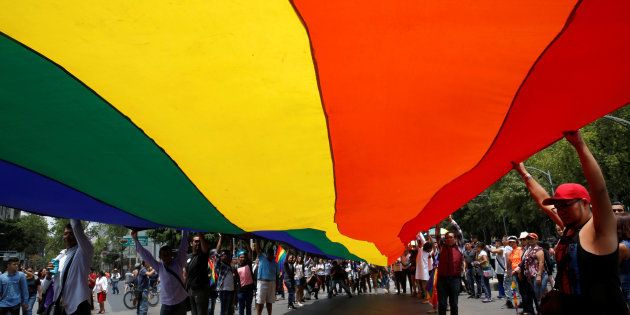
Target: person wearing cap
534,271
512,244
587,253
245,283
227,282
500,266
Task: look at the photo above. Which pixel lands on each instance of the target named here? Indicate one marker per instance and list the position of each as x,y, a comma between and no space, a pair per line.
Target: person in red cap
534,261
587,280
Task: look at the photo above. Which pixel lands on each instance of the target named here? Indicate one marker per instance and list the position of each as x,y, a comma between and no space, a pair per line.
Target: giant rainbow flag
339,127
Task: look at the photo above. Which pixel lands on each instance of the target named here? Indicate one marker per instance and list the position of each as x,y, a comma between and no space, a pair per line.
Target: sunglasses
618,210
566,204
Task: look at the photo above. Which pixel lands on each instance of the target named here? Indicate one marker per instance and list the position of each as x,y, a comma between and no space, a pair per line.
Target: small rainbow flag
211,272
432,288
514,297
281,256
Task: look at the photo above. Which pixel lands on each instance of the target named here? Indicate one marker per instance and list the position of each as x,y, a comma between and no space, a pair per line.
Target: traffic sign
128,241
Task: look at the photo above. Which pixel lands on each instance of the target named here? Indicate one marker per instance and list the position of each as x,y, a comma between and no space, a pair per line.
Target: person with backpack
499,266
173,293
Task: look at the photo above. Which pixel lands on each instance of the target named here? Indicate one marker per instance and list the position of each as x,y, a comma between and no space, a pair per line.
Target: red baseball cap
567,192
532,235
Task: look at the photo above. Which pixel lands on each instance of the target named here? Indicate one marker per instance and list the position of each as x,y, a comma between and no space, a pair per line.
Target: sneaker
432,311
299,304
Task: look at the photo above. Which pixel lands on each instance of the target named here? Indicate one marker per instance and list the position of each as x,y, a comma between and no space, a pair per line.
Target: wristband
527,176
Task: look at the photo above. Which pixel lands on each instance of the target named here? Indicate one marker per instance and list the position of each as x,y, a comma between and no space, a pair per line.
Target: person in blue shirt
13,289
266,276
142,288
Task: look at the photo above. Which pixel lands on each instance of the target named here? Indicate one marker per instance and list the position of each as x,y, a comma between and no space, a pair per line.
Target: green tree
35,230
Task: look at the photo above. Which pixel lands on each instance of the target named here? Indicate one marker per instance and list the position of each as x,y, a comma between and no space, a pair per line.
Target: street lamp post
619,120
547,174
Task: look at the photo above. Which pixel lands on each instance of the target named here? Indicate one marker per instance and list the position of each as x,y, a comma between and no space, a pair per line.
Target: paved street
380,303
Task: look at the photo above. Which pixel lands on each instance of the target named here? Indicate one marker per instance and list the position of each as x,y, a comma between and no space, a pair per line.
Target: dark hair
481,244
166,248
623,226
13,259
101,273
427,246
617,203
68,226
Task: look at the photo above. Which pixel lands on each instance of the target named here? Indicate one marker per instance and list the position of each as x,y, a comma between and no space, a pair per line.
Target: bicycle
153,296
130,298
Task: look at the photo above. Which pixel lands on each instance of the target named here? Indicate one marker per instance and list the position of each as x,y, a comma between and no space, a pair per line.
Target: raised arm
538,193
203,242
420,239
454,227
604,222
144,254
183,248
219,242
82,239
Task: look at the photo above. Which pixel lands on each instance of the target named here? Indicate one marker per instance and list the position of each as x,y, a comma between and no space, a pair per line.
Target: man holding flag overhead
450,266
267,275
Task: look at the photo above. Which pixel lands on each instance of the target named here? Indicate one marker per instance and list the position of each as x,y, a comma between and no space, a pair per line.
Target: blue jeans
115,287
470,281
31,303
448,291
142,308
245,302
539,289
290,284
227,301
486,287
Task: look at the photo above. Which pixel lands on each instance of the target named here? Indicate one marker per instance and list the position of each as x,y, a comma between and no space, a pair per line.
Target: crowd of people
586,272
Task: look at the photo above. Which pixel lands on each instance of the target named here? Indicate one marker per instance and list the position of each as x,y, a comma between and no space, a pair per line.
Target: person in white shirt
71,284
172,294
115,279
422,266
300,280
100,289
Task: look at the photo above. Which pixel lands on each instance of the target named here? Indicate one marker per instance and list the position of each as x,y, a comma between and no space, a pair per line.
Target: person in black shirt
197,280
289,279
338,276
